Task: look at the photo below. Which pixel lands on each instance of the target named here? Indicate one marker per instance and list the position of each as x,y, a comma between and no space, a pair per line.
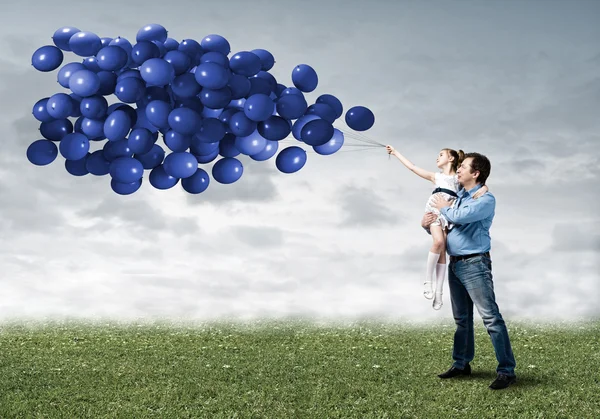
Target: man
470,271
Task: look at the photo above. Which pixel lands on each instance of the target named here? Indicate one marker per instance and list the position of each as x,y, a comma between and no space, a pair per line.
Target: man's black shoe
503,381
453,372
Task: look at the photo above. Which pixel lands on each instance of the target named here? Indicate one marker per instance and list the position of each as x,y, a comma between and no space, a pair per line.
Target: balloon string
359,136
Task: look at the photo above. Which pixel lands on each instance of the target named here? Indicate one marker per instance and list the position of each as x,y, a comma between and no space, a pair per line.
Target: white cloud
340,238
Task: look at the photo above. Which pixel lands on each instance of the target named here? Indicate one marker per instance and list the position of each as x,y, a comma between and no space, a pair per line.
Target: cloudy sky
516,81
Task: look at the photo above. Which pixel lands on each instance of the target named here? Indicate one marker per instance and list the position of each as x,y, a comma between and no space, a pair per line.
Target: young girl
447,186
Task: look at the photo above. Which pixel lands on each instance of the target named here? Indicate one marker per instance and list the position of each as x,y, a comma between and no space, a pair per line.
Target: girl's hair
458,157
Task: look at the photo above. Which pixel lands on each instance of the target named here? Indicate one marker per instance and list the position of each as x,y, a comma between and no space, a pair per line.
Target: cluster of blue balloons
205,102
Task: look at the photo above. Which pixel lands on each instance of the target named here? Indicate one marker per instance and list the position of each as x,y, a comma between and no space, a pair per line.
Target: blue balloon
266,58
142,121
42,152
85,43
317,132
215,43
111,58
192,49
116,149
105,41
143,51
152,158
225,116
59,106
269,78
299,124
291,91
227,146
117,126
171,44
92,128
180,165
211,113
193,103
129,73
259,86
125,44
157,72
96,164
267,152
56,130
152,32
62,35
245,63
305,78
108,82
125,108
74,146
240,125
77,167
334,144
66,71
227,170
179,60
215,98
197,183
40,112
239,85
252,144
332,101
212,75
126,169
93,107
47,58
275,128
125,188
184,121
130,89
212,130
85,83
198,148
280,89
203,159
76,103
360,118
160,179
91,63
291,159
322,110
158,112
154,93
140,140
215,57
291,106
259,107
177,142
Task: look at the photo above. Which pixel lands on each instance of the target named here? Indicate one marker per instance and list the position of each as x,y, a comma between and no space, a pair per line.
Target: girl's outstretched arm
417,170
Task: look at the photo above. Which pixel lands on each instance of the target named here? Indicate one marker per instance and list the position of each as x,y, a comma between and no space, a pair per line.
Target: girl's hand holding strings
390,149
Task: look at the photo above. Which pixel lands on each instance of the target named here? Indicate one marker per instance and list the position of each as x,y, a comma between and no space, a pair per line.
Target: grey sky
516,81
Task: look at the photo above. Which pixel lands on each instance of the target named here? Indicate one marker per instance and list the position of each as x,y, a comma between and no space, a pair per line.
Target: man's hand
428,218
440,203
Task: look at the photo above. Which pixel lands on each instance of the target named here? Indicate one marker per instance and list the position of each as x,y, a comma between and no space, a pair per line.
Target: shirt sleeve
472,211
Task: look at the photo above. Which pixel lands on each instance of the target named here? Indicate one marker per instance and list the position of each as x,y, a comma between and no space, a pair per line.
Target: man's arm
428,218
475,210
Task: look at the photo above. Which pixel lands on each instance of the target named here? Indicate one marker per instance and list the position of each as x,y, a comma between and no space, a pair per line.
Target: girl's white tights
432,260
440,276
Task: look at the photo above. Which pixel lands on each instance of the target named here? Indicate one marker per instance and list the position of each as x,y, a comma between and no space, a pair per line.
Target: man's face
463,173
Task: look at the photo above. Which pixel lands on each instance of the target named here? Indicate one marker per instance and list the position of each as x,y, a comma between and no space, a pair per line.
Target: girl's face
442,158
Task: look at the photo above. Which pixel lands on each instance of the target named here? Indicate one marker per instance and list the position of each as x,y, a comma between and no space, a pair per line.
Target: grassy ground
289,369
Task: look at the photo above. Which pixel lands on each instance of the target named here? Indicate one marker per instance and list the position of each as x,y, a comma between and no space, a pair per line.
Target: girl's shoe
437,302
428,291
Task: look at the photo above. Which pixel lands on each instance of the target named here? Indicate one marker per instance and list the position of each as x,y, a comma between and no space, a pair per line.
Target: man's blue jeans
470,281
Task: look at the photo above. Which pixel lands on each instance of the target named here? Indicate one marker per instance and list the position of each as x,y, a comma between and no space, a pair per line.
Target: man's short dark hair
481,164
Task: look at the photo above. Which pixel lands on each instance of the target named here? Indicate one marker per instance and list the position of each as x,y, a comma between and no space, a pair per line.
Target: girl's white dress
447,182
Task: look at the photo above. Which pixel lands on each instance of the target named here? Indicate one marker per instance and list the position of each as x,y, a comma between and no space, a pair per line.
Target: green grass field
289,369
